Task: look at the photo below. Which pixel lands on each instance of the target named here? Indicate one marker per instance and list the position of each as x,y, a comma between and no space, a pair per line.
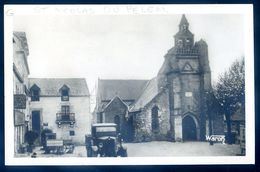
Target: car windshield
102,131
106,129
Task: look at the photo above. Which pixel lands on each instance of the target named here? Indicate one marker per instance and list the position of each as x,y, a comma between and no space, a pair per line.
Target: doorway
130,129
189,128
36,123
118,123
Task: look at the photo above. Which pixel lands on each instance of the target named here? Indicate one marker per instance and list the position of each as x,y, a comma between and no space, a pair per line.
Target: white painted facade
50,106
72,124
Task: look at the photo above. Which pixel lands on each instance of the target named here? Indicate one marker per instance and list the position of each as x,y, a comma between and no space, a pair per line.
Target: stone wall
144,120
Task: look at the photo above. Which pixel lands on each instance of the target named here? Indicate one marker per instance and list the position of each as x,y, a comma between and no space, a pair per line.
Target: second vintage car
105,141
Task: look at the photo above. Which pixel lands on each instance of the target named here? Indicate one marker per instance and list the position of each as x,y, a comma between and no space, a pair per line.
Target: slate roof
148,93
125,89
51,86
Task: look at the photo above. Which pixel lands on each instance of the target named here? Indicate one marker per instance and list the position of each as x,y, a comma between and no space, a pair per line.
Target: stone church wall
144,120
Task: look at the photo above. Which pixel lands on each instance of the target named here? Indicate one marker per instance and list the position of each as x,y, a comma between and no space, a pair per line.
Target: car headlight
100,145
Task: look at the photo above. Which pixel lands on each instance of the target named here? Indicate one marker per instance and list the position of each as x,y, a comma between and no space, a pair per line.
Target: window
64,91
155,119
65,110
184,27
72,133
65,113
180,43
64,95
35,93
35,96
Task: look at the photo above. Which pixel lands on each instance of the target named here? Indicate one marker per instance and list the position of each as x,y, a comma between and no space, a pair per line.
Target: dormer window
64,93
35,93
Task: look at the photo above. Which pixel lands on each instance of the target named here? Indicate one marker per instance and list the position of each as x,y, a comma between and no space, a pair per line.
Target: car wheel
122,152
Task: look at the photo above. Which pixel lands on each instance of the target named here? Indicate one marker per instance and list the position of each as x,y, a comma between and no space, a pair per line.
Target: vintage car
56,146
104,141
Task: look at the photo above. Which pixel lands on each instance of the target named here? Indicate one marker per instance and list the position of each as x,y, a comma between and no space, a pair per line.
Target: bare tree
230,92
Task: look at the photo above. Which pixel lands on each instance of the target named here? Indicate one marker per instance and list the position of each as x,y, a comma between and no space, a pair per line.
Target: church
172,105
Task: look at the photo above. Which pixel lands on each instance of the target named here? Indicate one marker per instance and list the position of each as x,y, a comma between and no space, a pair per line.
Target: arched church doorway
189,129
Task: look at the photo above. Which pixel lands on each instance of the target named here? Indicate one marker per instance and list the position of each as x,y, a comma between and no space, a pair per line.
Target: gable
116,105
64,87
34,87
187,67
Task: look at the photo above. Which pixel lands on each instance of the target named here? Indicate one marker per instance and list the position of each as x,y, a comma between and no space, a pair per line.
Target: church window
155,119
180,43
184,27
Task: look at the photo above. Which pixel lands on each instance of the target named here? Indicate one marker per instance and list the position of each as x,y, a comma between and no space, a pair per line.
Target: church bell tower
186,74
184,38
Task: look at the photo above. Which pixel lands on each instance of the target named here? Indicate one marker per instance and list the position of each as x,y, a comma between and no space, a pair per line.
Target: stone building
20,88
62,105
114,97
172,105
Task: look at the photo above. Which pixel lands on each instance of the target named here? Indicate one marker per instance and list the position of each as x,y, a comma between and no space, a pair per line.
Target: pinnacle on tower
183,20
184,24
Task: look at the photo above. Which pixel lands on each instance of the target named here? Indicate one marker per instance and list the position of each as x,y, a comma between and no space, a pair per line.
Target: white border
246,10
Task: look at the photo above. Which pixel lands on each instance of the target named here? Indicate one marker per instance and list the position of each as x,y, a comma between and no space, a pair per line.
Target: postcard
129,84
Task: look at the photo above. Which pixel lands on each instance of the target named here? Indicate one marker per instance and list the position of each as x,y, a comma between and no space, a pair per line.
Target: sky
122,46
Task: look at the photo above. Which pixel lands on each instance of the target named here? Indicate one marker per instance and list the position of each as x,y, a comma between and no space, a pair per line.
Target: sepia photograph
134,84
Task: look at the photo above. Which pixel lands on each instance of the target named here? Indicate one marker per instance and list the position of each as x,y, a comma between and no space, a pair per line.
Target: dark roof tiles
125,89
51,86
148,93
